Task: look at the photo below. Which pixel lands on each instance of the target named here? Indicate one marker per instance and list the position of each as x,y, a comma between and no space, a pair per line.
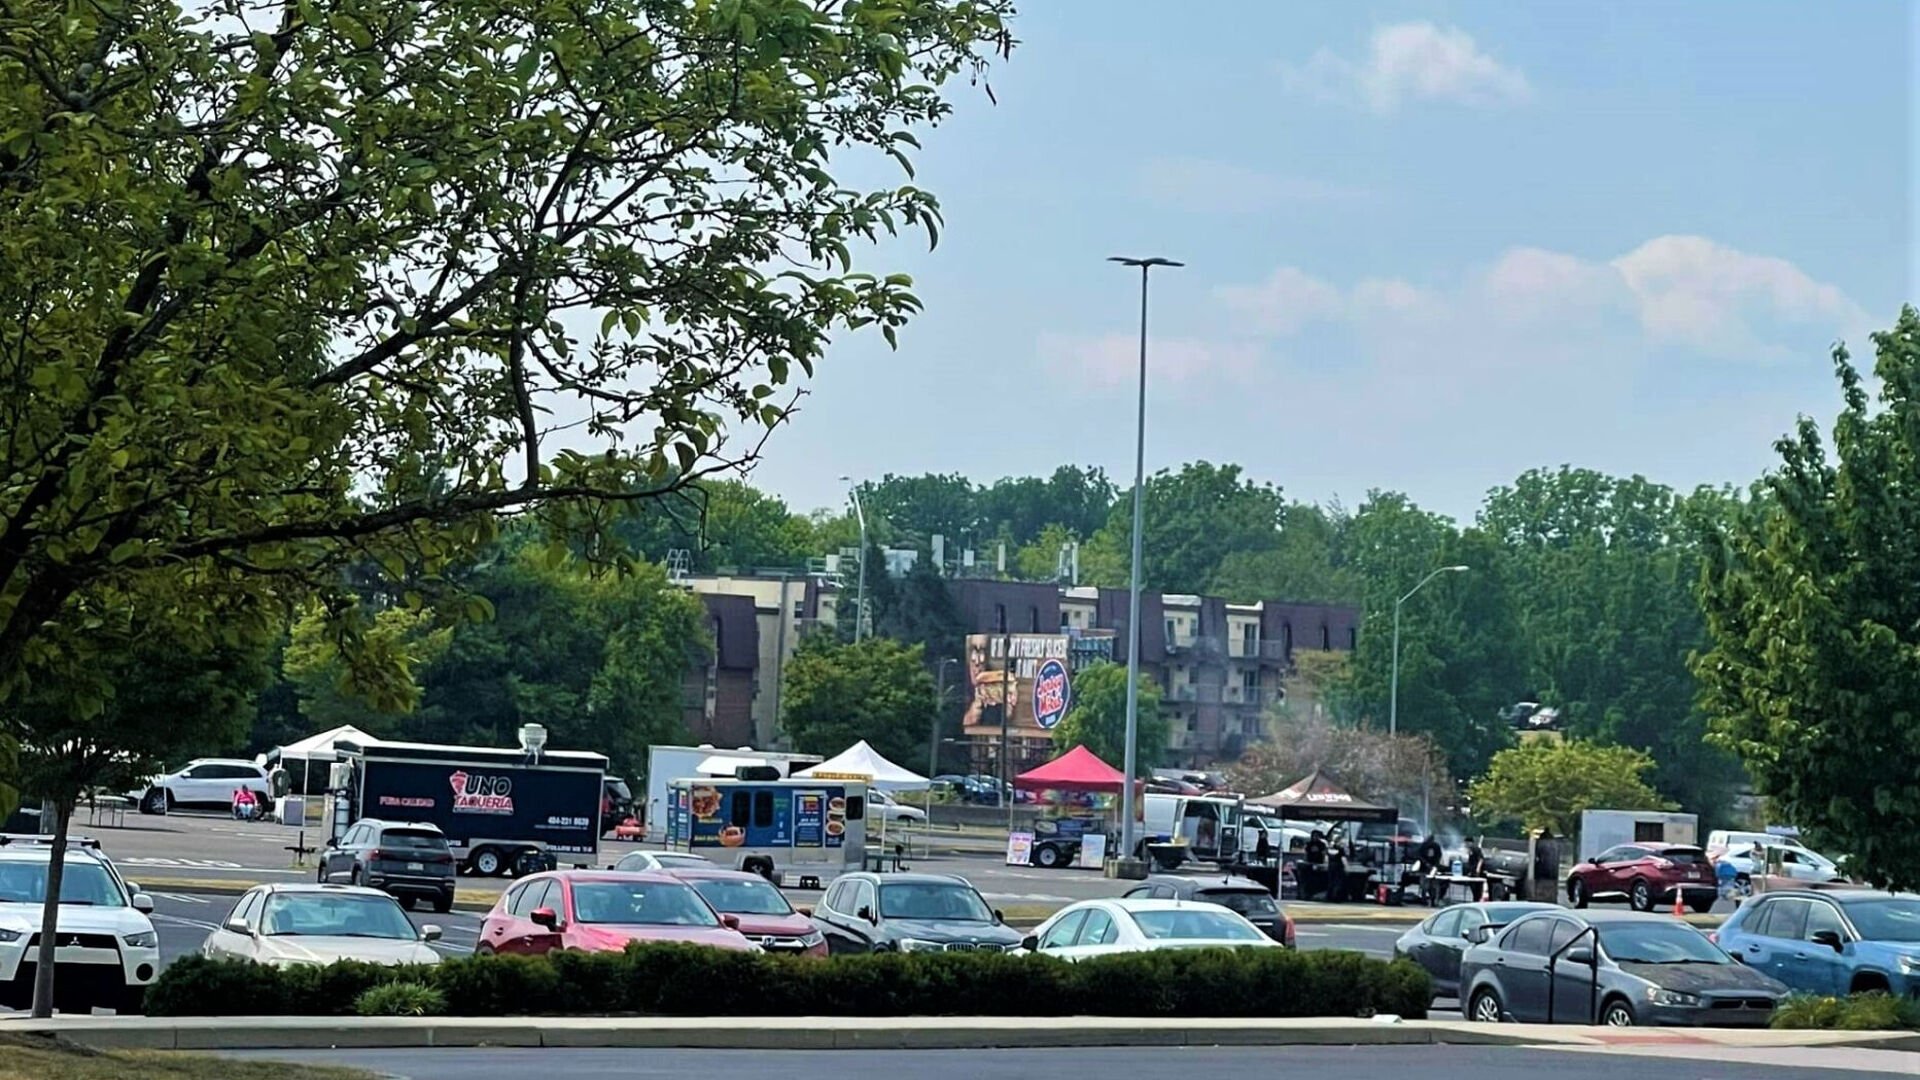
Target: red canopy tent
1079,769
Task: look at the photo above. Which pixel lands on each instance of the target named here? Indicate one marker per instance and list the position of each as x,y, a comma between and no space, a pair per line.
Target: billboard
1001,669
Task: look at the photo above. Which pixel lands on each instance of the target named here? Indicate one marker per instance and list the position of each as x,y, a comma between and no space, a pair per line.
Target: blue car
1830,941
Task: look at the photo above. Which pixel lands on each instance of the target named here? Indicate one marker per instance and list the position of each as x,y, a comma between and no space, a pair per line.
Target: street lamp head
1456,569
1152,260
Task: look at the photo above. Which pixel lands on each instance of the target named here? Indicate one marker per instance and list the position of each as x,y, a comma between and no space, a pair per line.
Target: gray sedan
1443,937
1614,968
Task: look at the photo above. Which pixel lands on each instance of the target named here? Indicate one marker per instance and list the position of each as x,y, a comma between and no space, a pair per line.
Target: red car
1646,875
601,911
762,910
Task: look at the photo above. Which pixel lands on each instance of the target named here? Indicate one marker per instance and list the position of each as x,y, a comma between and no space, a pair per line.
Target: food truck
792,832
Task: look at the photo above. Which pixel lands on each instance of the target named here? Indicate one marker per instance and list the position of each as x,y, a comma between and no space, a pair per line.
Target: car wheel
1640,895
157,801
320,874
443,903
406,902
1617,1013
1485,1007
483,949
487,862
1577,892
1742,885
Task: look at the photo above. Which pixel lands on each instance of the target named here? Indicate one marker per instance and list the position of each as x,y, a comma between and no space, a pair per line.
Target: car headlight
813,939
1908,964
10,935
145,939
1672,997
917,945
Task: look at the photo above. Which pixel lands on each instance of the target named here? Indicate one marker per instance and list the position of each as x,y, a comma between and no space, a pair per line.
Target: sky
1428,246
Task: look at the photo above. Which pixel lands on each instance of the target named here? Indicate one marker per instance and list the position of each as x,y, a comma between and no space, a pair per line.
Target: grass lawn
24,1058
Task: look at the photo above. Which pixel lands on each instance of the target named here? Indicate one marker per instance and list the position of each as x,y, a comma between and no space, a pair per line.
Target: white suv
107,952
205,782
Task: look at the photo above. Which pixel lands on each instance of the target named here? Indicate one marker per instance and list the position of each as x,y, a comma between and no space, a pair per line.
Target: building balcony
1194,645
1194,692
1253,697
1266,652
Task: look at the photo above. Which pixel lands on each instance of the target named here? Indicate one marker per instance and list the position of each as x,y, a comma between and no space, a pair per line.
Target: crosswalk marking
184,898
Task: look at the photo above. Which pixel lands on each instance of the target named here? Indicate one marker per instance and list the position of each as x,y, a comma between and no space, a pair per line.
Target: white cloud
1414,61
1112,361
1672,290
1190,183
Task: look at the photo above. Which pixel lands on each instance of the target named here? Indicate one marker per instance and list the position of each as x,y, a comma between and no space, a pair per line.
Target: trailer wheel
1047,855
487,862
528,861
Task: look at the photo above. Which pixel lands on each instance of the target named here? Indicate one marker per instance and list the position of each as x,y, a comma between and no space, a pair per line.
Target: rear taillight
376,855
1662,864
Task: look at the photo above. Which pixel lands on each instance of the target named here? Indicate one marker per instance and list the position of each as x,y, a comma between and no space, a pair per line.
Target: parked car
1644,875
410,860
865,912
1829,942
1615,968
642,862
1139,924
603,911
107,951
1439,941
206,782
291,925
1746,861
882,805
1243,896
765,917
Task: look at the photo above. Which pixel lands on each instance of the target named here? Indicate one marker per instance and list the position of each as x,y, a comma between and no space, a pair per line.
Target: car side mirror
133,888
731,922
429,932
1031,942
1829,938
1580,954
143,903
239,926
1479,934
545,917
867,914
999,917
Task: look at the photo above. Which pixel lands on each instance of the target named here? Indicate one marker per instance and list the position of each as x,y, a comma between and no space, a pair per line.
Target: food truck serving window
738,814
856,808
763,810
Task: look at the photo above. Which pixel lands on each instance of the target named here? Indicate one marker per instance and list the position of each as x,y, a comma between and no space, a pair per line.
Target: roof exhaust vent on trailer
533,739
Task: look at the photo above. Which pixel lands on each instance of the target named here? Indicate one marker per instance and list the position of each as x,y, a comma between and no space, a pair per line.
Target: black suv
408,860
910,913
1243,896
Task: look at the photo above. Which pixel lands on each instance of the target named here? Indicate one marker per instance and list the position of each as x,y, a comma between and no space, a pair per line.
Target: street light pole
1131,765
933,735
860,598
1393,692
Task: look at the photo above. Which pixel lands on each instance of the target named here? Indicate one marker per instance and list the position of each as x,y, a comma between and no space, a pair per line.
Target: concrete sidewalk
890,1033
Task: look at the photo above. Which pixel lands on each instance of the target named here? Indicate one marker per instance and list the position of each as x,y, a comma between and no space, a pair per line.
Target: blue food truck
793,832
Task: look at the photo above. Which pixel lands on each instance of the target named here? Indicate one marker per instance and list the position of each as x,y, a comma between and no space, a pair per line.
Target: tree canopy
837,693
1812,670
1097,718
1547,783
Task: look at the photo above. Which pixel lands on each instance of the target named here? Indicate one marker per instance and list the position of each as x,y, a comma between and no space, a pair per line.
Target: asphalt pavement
1319,1062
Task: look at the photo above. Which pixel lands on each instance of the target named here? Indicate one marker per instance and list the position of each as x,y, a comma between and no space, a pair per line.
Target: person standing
1427,861
1477,868
1336,874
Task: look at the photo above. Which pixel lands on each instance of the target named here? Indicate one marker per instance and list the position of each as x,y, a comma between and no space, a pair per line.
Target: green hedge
678,980
1860,1012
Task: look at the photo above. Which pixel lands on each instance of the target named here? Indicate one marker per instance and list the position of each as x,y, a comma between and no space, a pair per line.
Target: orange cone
1679,902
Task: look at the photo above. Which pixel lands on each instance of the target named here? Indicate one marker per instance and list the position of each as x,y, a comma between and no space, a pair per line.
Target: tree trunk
50,911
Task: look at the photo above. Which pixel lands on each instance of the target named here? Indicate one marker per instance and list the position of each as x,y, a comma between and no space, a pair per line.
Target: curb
888,1033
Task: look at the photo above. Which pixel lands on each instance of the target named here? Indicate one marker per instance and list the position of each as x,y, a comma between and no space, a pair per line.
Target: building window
1000,618
1353,638
1249,639
1286,639
1033,619
1326,637
1065,619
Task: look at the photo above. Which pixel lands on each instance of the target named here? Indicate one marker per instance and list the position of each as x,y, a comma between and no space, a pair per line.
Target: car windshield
743,897
413,840
1895,918
936,902
640,903
1193,924
1659,943
335,915
1252,903
84,883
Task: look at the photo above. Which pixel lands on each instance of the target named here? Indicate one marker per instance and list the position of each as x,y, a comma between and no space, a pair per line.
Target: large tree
1813,670
1194,519
1097,718
1547,783
839,693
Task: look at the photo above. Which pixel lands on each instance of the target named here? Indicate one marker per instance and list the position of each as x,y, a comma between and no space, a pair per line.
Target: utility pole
1393,691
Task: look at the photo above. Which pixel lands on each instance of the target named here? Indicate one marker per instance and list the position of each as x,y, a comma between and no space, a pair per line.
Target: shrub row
677,980
1861,1012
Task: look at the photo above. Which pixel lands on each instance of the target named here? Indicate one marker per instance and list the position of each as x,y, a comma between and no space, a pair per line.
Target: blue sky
1428,245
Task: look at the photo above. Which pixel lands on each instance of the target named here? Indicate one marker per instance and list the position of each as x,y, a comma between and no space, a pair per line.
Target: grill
1743,1003
972,946
77,941
782,944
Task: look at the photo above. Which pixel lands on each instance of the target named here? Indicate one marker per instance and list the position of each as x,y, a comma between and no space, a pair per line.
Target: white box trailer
666,764
1602,829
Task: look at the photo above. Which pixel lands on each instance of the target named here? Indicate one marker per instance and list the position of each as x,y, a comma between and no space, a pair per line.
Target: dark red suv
1646,875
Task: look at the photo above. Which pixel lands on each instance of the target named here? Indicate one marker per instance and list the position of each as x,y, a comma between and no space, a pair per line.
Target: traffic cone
1679,902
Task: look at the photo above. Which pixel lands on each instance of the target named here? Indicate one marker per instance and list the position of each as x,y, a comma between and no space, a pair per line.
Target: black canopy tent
1317,797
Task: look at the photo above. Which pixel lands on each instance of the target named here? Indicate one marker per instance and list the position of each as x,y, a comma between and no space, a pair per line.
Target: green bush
401,999
1860,1012
688,980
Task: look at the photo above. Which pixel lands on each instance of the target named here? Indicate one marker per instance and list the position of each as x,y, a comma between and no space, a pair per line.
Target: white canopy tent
862,762
318,749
